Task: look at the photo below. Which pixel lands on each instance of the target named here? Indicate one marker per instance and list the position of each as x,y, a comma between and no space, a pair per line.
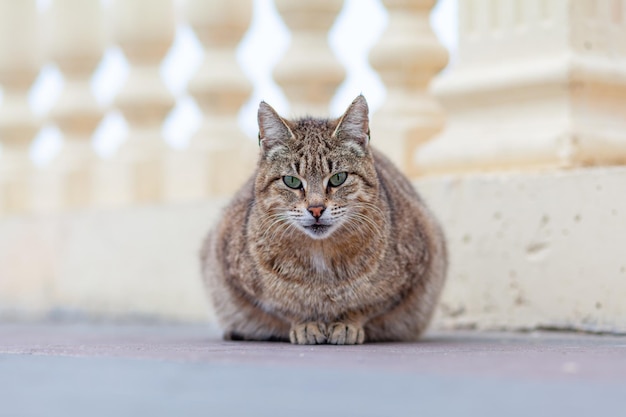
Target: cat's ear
354,124
273,129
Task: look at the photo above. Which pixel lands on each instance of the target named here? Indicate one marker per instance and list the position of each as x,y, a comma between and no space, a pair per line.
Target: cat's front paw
311,333
345,334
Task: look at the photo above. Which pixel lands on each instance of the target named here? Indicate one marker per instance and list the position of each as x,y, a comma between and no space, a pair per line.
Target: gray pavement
130,370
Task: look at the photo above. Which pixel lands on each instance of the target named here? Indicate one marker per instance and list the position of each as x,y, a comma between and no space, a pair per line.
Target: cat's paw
311,333
345,334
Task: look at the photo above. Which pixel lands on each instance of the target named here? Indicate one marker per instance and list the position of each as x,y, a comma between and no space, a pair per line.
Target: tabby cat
327,243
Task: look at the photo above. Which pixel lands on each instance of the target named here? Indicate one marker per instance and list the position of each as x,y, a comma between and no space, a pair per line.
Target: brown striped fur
372,272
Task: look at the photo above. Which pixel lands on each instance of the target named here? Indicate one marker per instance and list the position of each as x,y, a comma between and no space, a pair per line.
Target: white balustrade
407,57
75,43
219,157
309,73
144,29
20,62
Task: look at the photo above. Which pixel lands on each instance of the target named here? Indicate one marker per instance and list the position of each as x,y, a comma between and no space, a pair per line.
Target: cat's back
412,223
229,231
238,209
393,182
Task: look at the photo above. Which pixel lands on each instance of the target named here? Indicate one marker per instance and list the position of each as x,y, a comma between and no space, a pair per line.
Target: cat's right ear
354,124
273,129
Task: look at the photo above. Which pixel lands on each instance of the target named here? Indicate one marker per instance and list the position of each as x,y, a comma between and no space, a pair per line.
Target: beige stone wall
533,250
135,263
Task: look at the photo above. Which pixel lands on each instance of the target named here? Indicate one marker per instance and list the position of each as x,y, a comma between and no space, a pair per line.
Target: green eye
338,179
292,182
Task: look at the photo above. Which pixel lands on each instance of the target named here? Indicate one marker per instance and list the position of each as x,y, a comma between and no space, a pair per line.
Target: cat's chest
314,262
318,263
313,283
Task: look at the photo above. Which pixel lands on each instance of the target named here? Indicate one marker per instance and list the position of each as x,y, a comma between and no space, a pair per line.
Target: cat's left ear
354,124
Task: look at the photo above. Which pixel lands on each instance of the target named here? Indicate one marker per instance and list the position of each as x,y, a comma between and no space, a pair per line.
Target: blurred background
357,28
126,125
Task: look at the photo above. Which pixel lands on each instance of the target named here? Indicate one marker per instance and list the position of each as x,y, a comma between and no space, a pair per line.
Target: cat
328,242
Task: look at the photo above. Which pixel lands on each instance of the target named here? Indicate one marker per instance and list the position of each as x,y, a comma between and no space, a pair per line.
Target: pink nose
316,211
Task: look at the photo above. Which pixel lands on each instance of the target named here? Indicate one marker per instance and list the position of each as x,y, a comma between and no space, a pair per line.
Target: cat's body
352,254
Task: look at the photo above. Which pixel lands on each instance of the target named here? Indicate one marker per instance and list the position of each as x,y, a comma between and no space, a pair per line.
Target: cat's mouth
318,230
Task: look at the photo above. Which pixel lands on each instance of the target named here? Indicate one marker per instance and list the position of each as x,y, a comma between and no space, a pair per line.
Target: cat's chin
318,231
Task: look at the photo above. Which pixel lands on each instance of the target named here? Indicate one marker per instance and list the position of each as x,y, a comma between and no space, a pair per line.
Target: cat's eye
292,182
338,179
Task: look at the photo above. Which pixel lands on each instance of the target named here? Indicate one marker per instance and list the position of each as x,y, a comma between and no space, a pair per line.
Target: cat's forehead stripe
313,151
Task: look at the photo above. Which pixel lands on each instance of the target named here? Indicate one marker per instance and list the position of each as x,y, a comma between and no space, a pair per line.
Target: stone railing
74,34
534,109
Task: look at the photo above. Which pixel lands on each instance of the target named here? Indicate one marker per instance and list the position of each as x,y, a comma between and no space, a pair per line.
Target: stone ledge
129,264
533,250
528,250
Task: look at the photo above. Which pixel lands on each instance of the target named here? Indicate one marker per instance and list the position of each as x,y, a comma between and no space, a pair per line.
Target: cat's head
316,175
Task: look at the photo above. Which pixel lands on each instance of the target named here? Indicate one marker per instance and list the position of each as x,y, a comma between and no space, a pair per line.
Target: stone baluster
536,84
76,42
20,61
407,58
144,29
309,73
219,157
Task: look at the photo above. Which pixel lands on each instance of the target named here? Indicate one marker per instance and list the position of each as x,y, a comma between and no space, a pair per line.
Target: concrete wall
534,250
137,263
526,252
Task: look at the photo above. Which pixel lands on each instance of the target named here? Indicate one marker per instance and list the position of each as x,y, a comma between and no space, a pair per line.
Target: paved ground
105,370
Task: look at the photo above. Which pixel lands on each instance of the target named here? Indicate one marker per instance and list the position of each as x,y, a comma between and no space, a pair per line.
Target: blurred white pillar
407,58
219,157
309,73
537,83
20,61
144,29
76,42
